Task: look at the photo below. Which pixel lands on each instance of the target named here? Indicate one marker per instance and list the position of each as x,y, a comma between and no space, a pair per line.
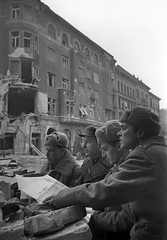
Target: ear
140,133
118,146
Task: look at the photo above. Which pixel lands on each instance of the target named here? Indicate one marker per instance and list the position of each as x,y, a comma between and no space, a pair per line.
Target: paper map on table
39,187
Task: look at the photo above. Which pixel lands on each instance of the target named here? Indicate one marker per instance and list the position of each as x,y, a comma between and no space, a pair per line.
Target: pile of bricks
43,222
34,221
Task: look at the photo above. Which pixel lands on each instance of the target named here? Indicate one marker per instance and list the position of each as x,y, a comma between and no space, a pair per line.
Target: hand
50,200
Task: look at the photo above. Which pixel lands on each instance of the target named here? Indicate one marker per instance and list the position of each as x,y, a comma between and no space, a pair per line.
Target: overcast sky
133,31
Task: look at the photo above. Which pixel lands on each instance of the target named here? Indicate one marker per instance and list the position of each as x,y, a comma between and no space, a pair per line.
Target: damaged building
51,74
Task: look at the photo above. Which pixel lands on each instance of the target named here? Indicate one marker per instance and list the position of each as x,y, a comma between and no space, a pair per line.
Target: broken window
15,39
14,68
27,39
97,96
28,13
51,54
51,106
82,111
15,11
81,88
51,79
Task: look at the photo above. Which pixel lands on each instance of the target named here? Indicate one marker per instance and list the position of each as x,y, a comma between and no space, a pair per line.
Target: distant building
163,118
51,74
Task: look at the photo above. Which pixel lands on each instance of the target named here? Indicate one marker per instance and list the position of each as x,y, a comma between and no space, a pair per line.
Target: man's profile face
53,154
110,151
91,147
128,136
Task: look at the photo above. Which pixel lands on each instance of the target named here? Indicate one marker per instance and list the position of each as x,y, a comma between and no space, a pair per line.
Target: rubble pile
25,219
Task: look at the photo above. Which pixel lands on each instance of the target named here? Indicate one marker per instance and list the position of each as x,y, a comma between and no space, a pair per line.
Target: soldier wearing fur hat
141,180
95,166
113,222
61,163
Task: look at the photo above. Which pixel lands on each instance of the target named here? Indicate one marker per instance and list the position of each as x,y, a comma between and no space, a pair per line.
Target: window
81,88
119,102
81,69
65,61
96,77
122,103
125,89
65,83
130,92
97,96
121,87
51,79
138,93
72,108
82,111
64,39
28,13
15,39
142,95
15,11
118,86
36,44
87,53
133,93
89,92
51,54
51,32
108,114
68,107
15,68
92,110
95,59
88,73
27,39
109,98
146,97
51,106
76,45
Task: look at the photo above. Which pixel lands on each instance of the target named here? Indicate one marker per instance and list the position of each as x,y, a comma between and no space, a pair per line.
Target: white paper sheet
39,187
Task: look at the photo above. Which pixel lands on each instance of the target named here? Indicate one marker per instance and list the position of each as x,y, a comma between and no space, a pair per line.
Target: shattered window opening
27,39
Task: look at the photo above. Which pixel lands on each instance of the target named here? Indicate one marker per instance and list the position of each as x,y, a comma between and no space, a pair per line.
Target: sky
133,31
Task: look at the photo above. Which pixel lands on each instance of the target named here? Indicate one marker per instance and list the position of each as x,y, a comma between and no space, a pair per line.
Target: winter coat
114,222
141,180
66,171
94,170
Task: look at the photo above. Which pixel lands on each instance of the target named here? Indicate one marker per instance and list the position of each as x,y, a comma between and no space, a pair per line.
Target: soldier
141,180
94,167
113,222
61,164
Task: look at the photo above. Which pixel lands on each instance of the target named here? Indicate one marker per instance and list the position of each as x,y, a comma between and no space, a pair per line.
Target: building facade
51,74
